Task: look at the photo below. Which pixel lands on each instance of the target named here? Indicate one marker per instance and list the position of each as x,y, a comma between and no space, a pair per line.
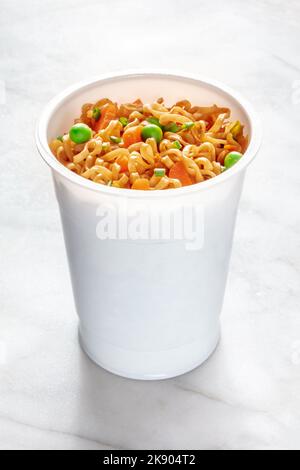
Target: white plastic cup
149,308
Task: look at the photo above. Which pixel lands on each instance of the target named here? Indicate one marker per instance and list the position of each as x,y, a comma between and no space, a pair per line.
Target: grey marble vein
87,442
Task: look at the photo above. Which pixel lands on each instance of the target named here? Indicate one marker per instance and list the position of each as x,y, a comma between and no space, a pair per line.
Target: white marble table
247,396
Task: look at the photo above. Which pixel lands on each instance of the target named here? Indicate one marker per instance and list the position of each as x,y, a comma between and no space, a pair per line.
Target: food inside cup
150,146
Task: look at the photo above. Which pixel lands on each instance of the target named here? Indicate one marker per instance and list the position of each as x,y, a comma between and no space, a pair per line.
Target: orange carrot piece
141,183
179,172
132,136
108,112
243,141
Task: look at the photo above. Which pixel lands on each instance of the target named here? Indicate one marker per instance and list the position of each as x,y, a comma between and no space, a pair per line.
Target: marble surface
247,396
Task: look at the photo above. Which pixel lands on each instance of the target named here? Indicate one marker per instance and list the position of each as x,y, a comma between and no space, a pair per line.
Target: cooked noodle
192,148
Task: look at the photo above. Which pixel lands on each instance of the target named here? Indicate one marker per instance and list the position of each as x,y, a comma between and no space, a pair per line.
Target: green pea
152,130
80,133
172,127
231,159
154,120
96,114
124,121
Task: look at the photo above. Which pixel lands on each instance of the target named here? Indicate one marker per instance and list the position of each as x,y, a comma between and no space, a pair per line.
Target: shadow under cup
148,269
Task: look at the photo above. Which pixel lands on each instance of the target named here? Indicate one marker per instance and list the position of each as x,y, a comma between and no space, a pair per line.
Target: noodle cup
148,268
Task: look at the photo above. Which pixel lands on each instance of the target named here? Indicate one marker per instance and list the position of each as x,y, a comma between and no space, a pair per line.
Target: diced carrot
108,112
132,136
243,141
123,162
141,183
179,172
235,148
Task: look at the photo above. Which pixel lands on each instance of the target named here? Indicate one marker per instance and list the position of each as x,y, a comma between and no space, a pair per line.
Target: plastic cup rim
55,103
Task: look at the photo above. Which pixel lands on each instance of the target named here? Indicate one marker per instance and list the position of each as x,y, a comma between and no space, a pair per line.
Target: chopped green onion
115,140
60,137
105,146
154,120
96,114
188,125
177,145
160,172
172,127
236,129
124,121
